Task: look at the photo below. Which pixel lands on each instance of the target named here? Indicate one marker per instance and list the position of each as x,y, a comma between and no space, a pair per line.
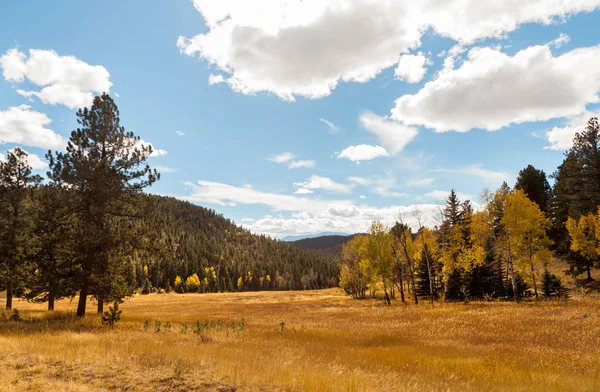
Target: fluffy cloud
362,152
392,134
492,90
332,127
318,182
156,152
561,138
560,40
64,80
347,219
304,48
33,160
229,195
411,68
21,125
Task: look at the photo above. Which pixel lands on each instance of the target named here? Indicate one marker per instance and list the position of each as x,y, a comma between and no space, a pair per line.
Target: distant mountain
293,238
329,245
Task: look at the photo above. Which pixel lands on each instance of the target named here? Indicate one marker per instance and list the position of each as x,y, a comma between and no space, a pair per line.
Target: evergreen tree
535,185
53,253
17,184
105,166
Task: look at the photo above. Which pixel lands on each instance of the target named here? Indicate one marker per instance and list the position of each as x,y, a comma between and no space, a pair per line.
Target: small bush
113,315
15,316
157,325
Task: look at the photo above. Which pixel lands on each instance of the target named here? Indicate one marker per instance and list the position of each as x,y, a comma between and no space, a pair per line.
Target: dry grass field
304,341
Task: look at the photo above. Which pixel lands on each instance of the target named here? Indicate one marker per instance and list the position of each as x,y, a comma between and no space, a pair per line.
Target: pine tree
53,252
535,185
105,165
17,185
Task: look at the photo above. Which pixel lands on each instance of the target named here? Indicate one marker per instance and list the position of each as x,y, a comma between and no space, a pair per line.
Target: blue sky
310,116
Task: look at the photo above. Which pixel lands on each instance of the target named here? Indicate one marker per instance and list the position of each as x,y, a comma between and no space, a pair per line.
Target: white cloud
229,195
164,169
491,176
362,152
343,210
561,138
282,157
318,182
443,195
392,134
304,48
64,80
411,67
303,191
381,185
362,197
492,90
359,180
560,40
347,219
179,133
21,125
288,158
215,79
332,127
302,163
156,152
33,160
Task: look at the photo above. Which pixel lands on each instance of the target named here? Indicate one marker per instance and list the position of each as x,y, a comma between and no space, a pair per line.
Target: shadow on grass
34,322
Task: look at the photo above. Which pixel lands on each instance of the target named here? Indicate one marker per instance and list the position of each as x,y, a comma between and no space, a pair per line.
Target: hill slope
203,239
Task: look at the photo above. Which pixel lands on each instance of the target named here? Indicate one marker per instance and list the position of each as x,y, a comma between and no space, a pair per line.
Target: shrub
113,315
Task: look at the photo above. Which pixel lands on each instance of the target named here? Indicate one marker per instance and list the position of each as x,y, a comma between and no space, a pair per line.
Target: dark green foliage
422,278
487,280
105,167
147,288
17,217
552,286
576,192
198,238
535,185
113,315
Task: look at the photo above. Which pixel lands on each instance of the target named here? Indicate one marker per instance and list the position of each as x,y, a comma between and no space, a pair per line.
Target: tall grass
328,343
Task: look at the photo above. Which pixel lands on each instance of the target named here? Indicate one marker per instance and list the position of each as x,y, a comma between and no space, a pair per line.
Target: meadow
304,341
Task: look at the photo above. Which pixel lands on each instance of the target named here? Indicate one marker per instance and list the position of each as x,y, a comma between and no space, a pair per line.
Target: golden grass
329,343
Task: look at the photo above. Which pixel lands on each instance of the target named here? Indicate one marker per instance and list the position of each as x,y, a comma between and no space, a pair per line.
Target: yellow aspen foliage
585,235
268,278
178,283
192,283
526,226
146,270
240,282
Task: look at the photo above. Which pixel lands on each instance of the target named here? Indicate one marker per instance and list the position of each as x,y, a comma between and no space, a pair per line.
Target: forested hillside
226,257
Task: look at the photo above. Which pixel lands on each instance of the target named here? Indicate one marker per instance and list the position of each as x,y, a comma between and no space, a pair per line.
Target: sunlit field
296,341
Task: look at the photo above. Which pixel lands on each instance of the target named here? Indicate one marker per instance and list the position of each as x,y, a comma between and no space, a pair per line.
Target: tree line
500,250
89,229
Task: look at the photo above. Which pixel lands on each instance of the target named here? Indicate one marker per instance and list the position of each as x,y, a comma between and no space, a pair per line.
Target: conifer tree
17,185
535,185
105,166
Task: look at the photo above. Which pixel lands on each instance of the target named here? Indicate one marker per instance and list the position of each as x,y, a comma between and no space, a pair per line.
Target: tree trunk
51,301
429,274
513,278
82,300
535,290
100,306
9,295
589,272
